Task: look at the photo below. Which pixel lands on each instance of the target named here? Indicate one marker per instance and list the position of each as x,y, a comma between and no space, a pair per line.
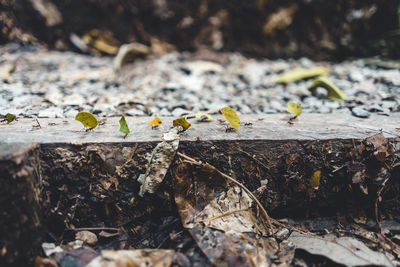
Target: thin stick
223,215
227,177
93,229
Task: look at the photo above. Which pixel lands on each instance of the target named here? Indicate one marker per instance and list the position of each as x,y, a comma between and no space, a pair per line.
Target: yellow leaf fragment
315,179
87,119
203,117
231,116
334,93
155,122
182,122
300,74
101,41
294,108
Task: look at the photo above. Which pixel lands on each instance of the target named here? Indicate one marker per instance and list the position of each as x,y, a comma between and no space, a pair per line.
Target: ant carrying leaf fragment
87,119
294,109
123,126
181,122
156,122
8,118
231,116
202,117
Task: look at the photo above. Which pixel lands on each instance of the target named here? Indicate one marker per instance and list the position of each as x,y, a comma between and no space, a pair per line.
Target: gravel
60,84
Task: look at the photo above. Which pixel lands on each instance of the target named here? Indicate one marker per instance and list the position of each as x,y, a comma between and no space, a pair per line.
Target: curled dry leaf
380,146
101,41
159,162
221,216
127,51
334,93
343,250
300,74
139,257
87,237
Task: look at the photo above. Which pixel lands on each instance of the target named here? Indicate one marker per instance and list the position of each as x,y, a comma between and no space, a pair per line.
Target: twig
93,229
227,177
223,215
253,158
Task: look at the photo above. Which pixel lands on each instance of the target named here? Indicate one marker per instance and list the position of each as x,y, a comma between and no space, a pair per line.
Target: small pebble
360,112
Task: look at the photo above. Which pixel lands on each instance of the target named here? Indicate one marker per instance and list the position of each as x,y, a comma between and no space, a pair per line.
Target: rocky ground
36,82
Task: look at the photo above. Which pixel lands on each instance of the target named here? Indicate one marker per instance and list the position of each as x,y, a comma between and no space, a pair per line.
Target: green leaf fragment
87,119
123,126
334,93
300,74
10,117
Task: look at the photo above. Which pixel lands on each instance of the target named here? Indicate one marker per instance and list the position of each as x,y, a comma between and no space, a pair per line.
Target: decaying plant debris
217,203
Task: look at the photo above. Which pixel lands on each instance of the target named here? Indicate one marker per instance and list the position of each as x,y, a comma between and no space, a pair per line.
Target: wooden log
254,127
90,177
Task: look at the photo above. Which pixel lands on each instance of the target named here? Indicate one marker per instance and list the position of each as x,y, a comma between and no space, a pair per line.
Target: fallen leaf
139,257
334,93
343,250
127,51
203,117
300,74
6,70
101,41
315,179
182,122
231,116
159,162
294,108
87,119
381,147
221,217
87,237
155,122
123,126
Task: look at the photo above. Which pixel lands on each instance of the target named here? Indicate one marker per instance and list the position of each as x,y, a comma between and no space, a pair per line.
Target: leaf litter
228,222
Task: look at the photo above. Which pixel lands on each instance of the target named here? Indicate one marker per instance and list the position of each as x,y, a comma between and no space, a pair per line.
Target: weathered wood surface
263,127
90,178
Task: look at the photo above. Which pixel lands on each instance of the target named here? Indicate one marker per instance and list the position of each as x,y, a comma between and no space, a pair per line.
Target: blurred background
317,29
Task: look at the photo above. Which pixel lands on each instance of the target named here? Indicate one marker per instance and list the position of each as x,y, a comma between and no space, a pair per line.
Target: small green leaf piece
123,126
87,119
294,108
301,74
334,93
10,117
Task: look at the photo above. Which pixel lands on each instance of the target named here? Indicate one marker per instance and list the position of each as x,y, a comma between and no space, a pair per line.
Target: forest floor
332,197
